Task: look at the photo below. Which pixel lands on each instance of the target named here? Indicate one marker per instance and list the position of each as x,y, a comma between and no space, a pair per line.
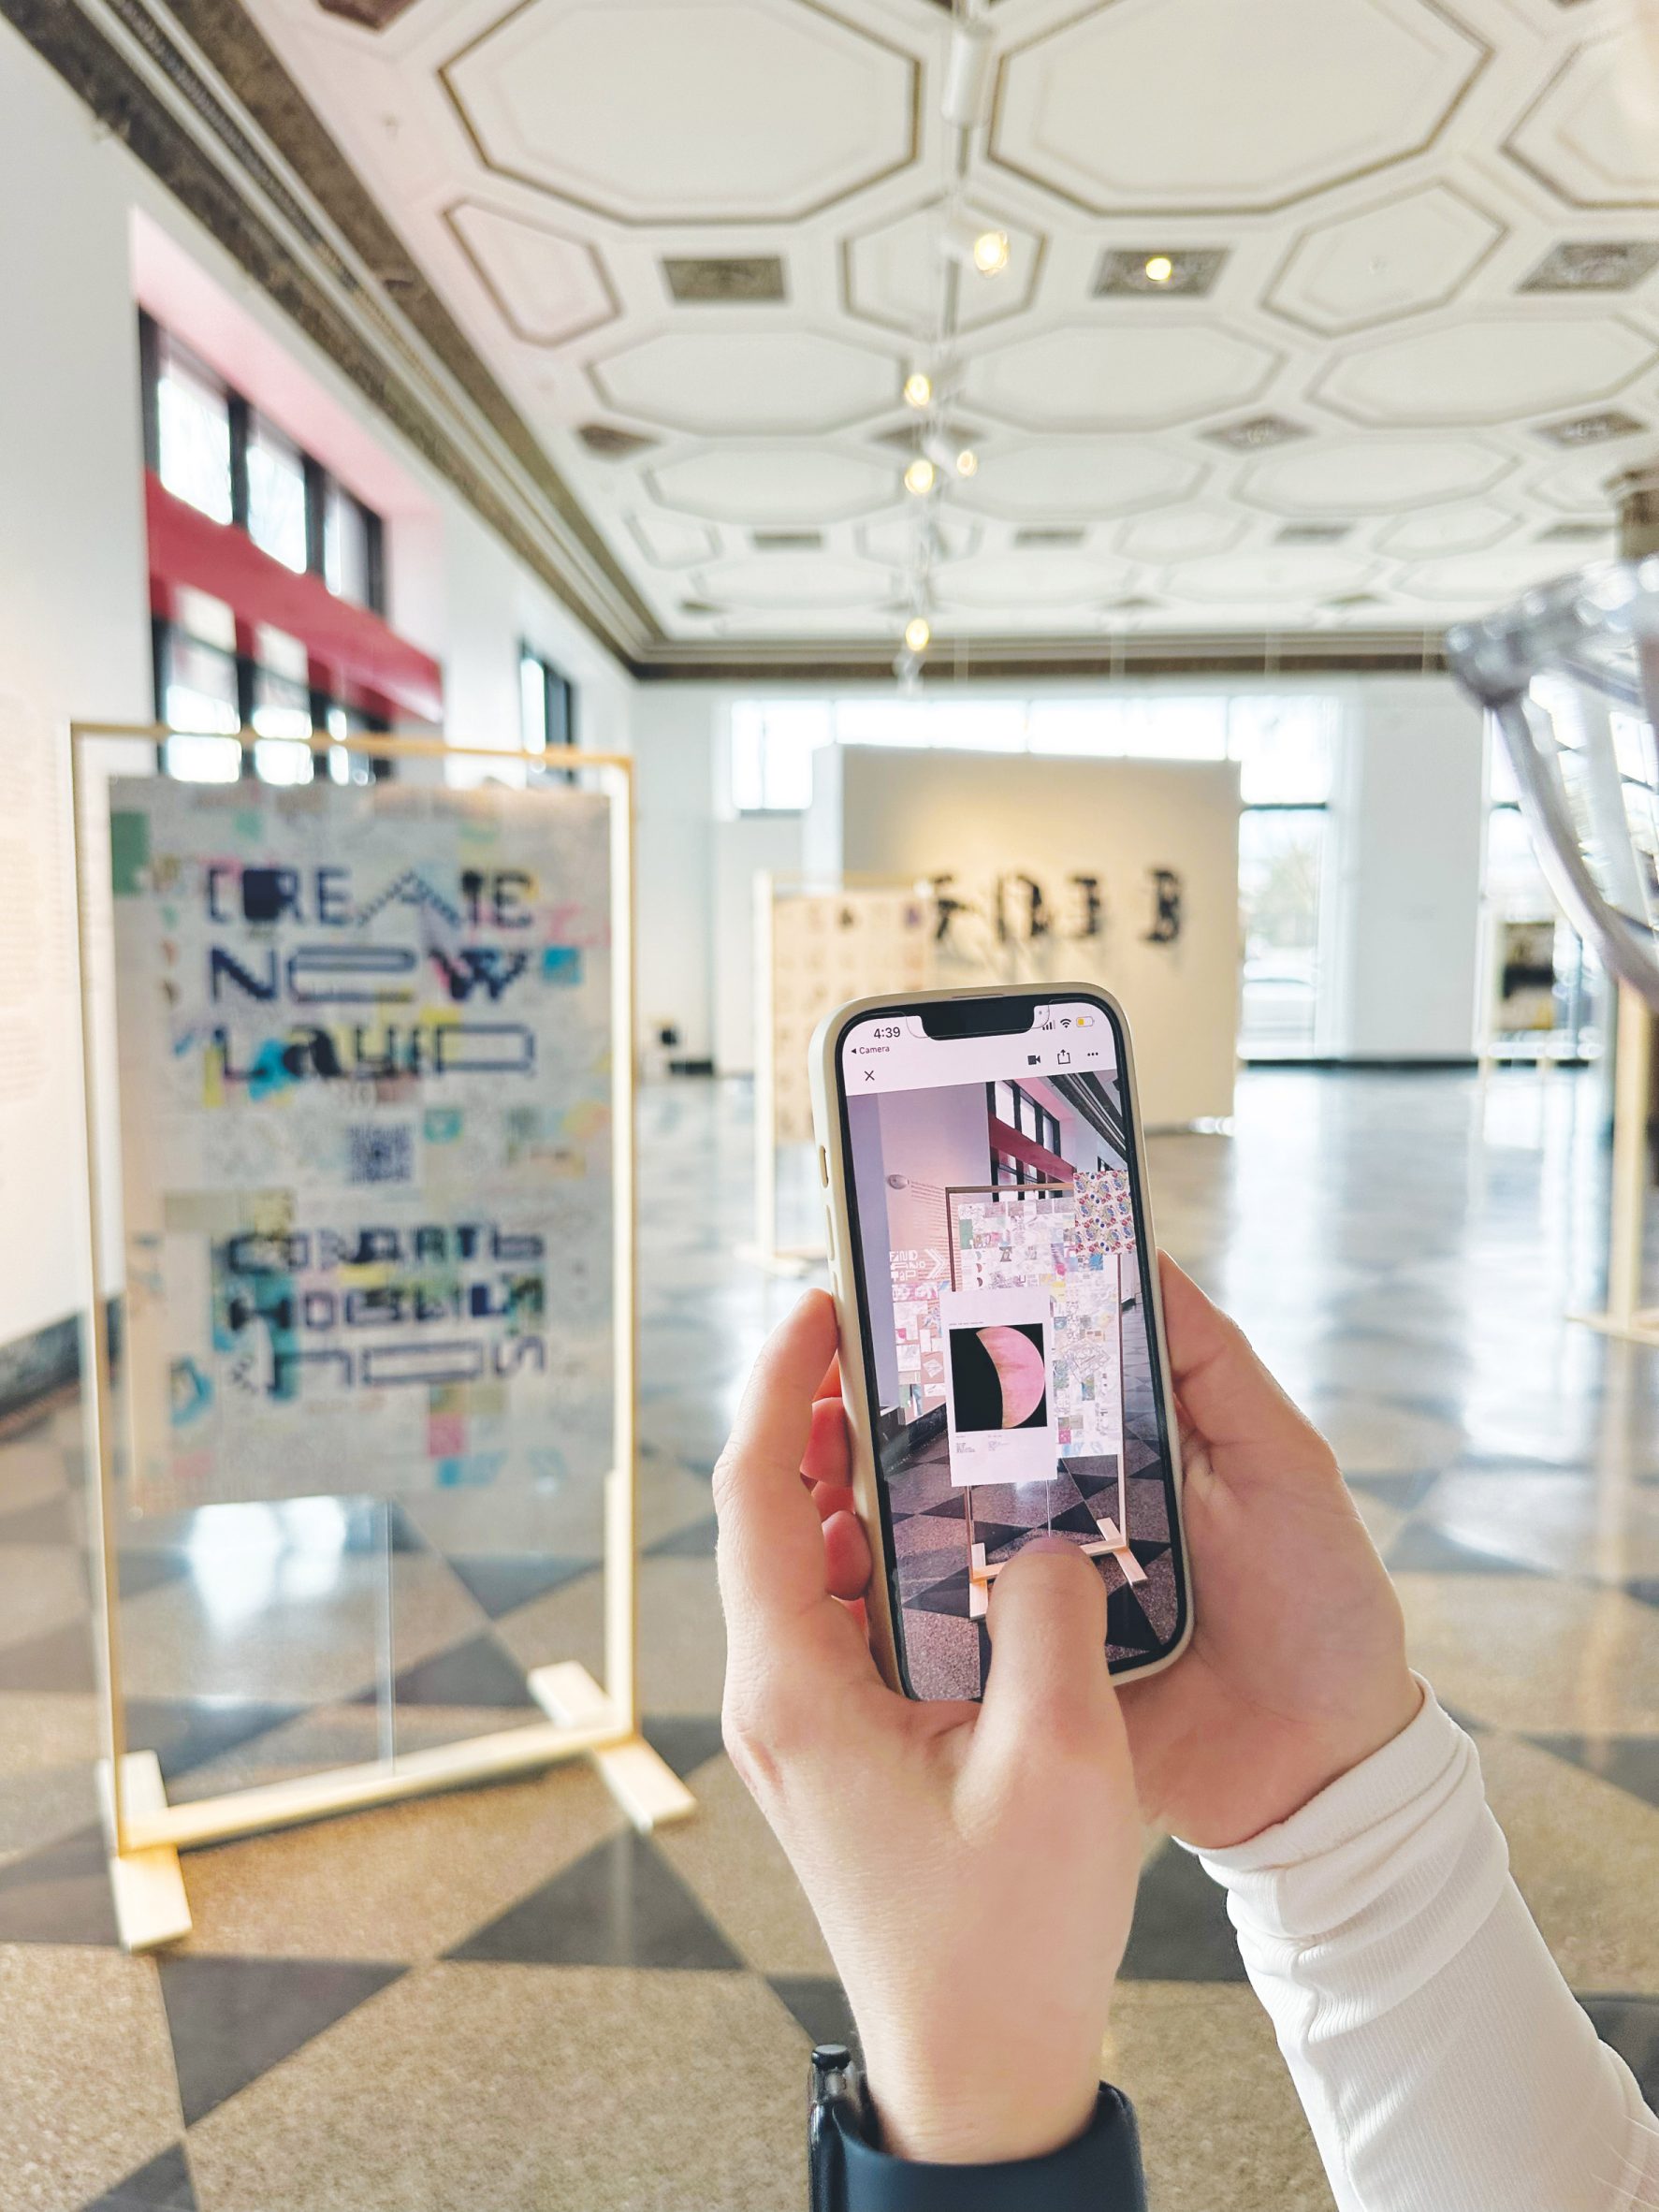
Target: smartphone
1002,1349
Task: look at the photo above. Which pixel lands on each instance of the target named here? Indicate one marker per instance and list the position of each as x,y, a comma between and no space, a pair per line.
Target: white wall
74,628
674,734
74,608
1408,895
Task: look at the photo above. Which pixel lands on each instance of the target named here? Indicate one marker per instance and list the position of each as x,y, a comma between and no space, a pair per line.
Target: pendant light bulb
918,388
919,476
918,635
990,252
980,246
968,461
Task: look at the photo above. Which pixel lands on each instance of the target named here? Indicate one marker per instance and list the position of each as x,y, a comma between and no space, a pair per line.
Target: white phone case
835,1172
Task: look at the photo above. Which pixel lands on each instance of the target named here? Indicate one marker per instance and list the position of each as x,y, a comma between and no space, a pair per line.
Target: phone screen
1003,1290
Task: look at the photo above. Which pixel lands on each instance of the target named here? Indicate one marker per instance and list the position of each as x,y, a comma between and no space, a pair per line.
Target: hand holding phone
972,1865
991,1246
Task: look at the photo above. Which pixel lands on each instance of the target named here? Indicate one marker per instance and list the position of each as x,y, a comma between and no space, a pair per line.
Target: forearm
1440,2057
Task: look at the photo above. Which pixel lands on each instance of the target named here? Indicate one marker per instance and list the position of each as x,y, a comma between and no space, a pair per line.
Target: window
352,548
191,420
210,447
277,496
1513,889
1286,750
1013,1106
548,704
212,681
772,748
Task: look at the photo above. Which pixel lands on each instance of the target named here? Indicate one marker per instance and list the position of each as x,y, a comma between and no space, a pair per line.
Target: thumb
1049,1688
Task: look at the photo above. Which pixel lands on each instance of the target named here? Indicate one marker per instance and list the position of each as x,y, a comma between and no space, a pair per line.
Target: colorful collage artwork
1069,1247
364,1040
828,948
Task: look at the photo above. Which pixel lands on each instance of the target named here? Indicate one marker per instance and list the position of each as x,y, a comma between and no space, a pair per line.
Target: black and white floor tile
503,1997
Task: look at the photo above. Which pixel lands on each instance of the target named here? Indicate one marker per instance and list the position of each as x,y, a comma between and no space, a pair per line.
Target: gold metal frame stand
779,1260
1624,1315
584,1718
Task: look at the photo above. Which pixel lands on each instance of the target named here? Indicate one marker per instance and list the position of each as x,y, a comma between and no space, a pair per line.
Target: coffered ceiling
1409,332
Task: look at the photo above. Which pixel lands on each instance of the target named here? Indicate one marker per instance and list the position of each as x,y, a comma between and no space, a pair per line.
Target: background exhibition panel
997,825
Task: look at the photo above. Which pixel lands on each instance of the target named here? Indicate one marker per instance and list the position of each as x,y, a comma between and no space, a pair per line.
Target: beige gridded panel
827,948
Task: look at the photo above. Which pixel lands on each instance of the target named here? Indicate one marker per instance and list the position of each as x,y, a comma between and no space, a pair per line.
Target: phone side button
824,1167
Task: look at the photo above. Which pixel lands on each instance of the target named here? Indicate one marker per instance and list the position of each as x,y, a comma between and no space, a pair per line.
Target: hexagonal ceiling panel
1073,478
738,383
1031,580
686,110
1466,526
1369,475
671,542
1487,579
758,484
1118,376
1589,136
1307,94
1295,573
697,244
797,580
1489,368
1181,533
1411,253
549,288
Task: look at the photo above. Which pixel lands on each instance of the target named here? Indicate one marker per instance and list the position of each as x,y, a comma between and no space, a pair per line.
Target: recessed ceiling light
1593,265
1590,429
918,388
724,277
1125,273
967,462
1256,431
918,634
611,443
919,476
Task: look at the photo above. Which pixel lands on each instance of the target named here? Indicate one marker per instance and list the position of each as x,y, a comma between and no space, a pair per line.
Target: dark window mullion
240,417
316,507
150,388
247,676
373,559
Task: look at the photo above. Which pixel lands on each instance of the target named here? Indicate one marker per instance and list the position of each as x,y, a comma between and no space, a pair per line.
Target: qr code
380,1156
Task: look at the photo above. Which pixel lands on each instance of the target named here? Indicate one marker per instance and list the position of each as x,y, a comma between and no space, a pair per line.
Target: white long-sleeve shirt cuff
1442,2061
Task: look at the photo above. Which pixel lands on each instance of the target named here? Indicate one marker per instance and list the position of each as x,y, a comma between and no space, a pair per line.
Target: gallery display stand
583,1717
766,1250
1625,1315
873,934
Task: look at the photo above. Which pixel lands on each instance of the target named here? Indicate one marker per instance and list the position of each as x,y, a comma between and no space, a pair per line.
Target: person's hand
1296,1670
973,1867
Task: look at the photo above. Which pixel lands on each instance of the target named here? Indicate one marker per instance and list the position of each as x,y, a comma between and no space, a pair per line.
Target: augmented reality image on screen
1011,1358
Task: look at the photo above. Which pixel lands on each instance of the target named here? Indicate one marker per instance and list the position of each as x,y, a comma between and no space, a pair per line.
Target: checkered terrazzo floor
503,1997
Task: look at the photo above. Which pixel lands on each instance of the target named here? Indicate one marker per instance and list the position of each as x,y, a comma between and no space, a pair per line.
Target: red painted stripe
354,654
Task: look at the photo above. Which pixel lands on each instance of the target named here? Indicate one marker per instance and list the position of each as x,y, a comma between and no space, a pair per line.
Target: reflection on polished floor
503,1999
